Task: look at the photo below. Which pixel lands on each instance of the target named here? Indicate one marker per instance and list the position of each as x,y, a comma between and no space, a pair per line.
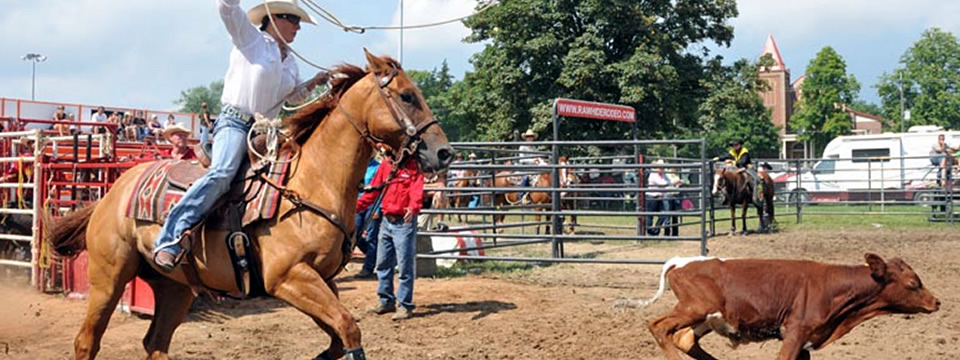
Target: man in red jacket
397,243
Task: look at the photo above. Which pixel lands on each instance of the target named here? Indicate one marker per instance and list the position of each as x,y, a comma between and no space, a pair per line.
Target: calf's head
903,292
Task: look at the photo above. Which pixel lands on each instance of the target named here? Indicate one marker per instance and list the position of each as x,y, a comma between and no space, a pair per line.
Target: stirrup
177,258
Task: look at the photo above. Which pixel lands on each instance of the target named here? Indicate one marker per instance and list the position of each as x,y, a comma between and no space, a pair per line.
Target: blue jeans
397,247
656,204
204,135
368,244
229,150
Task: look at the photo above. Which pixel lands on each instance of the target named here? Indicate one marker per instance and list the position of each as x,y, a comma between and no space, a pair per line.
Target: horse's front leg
733,218
302,286
743,217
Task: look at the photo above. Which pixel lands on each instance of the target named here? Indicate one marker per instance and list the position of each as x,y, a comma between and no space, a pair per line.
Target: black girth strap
300,203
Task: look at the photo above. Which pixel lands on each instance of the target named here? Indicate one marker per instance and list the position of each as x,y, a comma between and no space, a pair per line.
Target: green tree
191,99
930,70
435,86
820,117
649,55
734,110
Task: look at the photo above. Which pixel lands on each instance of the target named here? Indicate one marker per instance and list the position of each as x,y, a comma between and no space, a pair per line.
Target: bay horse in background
299,251
737,191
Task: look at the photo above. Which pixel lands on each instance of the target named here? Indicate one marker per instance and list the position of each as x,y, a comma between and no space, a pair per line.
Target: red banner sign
594,110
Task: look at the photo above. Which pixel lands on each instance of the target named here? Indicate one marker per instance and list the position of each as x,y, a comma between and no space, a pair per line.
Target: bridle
413,132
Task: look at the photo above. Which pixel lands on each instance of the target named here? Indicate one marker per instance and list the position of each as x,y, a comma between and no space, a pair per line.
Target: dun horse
299,251
737,191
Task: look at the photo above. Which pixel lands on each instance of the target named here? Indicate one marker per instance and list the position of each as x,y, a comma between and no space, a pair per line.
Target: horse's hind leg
107,281
172,301
743,217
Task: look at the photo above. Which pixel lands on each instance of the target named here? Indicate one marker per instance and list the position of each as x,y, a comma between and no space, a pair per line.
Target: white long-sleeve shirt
655,180
528,152
258,76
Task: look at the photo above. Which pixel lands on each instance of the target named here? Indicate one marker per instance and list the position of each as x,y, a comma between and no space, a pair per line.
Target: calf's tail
676,262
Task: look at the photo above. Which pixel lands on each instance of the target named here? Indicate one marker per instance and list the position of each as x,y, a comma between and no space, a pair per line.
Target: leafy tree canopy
820,116
930,72
645,54
191,99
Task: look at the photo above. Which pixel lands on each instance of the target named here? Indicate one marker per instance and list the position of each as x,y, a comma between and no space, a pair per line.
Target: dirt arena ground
555,312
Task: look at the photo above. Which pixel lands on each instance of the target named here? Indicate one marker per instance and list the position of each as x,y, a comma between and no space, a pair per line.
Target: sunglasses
293,19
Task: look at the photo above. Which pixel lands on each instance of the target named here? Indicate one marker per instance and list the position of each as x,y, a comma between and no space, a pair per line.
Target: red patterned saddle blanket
165,182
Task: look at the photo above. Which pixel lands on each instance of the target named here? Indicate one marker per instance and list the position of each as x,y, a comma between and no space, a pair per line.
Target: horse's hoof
743,233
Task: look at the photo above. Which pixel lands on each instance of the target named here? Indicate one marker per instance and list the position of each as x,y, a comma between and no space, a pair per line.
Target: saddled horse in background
541,198
737,191
299,251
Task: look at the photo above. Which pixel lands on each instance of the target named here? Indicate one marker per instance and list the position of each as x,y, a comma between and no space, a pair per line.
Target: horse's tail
68,234
676,262
766,166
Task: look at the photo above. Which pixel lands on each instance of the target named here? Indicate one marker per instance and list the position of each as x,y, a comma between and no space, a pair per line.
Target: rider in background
739,156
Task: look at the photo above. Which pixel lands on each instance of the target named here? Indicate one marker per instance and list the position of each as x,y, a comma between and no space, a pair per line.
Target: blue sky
142,53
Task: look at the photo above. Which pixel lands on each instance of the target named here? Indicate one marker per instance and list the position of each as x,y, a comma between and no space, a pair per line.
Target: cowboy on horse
739,156
261,76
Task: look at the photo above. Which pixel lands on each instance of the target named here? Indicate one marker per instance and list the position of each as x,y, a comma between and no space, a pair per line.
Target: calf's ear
878,268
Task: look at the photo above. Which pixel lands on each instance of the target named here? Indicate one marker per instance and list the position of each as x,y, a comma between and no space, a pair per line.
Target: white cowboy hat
174,129
658,162
256,13
472,156
529,133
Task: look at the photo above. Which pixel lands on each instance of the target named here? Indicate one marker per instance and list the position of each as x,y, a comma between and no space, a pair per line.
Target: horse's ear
374,63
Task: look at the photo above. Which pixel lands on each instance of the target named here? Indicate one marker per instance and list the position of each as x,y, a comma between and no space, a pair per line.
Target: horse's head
719,181
399,116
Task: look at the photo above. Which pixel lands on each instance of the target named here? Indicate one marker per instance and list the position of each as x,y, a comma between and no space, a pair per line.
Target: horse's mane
302,123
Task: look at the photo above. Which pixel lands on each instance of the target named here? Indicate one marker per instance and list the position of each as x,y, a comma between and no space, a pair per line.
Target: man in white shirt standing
654,199
261,75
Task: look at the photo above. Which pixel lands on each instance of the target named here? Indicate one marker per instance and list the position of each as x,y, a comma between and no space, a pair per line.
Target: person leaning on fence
261,76
655,200
397,245
739,156
944,158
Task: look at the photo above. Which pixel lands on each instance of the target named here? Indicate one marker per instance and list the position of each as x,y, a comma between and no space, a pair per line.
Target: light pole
34,59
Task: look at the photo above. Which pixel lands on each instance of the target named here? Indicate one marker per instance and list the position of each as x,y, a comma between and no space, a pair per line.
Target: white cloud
825,18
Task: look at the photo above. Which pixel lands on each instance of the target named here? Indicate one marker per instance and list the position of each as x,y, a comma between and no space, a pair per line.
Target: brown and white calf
806,304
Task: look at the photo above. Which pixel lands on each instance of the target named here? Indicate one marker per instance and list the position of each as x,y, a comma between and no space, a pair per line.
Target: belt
393,218
231,111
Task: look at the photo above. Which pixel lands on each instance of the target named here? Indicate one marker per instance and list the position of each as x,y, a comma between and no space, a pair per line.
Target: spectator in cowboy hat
177,135
261,76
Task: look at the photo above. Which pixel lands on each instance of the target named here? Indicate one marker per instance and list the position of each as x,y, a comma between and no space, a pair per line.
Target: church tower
779,97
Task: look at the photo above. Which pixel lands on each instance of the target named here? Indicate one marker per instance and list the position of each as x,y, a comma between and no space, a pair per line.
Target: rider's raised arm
242,32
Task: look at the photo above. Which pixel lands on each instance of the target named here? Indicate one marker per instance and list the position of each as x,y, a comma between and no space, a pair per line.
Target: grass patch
484,267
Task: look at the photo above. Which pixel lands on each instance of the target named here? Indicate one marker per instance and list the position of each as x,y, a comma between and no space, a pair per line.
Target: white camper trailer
896,163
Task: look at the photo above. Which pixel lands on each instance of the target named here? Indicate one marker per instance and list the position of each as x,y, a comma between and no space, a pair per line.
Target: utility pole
903,119
34,59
